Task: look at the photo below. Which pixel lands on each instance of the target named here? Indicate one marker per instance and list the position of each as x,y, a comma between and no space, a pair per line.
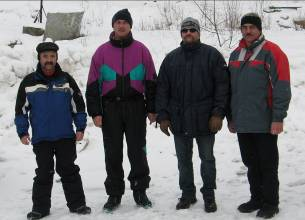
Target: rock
13,43
300,23
63,26
34,31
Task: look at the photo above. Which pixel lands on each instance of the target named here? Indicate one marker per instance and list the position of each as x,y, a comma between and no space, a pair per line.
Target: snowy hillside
17,162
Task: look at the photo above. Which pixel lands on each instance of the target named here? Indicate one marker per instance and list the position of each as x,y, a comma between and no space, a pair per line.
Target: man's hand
276,128
79,135
215,124
231,127
97,120
151,117
26,140
164,126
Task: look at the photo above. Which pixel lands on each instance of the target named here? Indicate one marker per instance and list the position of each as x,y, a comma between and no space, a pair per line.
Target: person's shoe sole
187,207
247,211
108,210
267,216
147,206
210,210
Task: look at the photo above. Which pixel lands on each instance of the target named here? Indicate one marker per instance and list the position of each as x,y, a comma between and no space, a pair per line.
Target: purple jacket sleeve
150,81
93,94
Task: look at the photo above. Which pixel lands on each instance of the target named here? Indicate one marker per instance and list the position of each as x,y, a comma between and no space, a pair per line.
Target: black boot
185,203
82,210
267,211
141,199
112,203
210,205
209,200
250,206
36,215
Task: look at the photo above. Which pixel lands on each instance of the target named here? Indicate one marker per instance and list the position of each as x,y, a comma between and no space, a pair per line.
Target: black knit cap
252,18
46,46
122,15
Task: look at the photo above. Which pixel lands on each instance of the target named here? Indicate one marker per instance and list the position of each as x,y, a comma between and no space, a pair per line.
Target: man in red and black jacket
260,96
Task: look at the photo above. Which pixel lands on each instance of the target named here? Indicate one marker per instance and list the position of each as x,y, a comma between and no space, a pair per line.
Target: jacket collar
121,43
190,47
243,44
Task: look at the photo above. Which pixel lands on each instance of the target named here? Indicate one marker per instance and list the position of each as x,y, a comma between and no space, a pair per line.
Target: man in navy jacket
50,100
191,101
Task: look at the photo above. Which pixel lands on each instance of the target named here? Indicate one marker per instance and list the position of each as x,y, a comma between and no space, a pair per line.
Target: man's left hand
215,124
276,128
79,135
152,117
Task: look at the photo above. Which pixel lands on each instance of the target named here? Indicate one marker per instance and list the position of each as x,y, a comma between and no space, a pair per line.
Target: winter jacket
260,86
192,85
120,70
53,103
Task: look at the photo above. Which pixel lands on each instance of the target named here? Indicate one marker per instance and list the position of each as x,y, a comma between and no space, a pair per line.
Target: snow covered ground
17,162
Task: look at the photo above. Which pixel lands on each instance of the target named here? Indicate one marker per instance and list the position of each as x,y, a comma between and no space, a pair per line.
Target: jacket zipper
123,77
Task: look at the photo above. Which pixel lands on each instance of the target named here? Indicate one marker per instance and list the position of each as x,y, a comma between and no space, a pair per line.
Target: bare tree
170,13
232,18
219,23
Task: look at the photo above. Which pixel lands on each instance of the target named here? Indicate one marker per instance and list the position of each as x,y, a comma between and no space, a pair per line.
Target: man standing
261,94
120,95
192,95
54,102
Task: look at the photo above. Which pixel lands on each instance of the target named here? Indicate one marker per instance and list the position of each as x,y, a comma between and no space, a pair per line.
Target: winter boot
112,203
141,199
209,201
36,215
185,203
250,206
267,211
82,210
210,205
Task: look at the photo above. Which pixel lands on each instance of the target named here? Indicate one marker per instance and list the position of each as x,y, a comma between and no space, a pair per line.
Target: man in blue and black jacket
50,100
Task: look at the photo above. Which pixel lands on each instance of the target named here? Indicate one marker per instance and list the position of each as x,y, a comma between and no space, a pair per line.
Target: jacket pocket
202,114
176,119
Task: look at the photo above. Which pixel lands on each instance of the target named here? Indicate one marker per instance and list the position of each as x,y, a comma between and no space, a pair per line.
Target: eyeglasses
192,30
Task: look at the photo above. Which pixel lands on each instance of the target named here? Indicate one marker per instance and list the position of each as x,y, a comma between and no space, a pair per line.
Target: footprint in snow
300,182
242,171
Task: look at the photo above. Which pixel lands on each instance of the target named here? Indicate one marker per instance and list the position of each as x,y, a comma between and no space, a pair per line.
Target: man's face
250,33
121,29
48,60
189,35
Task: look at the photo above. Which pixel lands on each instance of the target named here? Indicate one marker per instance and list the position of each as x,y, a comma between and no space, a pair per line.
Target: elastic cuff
274,119
22,135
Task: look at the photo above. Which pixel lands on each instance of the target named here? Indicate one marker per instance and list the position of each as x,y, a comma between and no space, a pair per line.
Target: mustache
48,63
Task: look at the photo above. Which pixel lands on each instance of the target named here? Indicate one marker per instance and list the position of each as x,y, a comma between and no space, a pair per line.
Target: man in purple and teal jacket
120,95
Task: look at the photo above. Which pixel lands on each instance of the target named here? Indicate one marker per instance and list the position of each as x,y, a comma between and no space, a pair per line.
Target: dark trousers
65,152
125,117
260,155
184,150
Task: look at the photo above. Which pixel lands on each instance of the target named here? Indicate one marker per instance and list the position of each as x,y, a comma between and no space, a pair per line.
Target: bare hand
164,126
231,127
215,124
97,120
152,117
79,135
276,128
26,140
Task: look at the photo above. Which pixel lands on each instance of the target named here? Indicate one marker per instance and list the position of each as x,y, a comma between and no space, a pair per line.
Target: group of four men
192,94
